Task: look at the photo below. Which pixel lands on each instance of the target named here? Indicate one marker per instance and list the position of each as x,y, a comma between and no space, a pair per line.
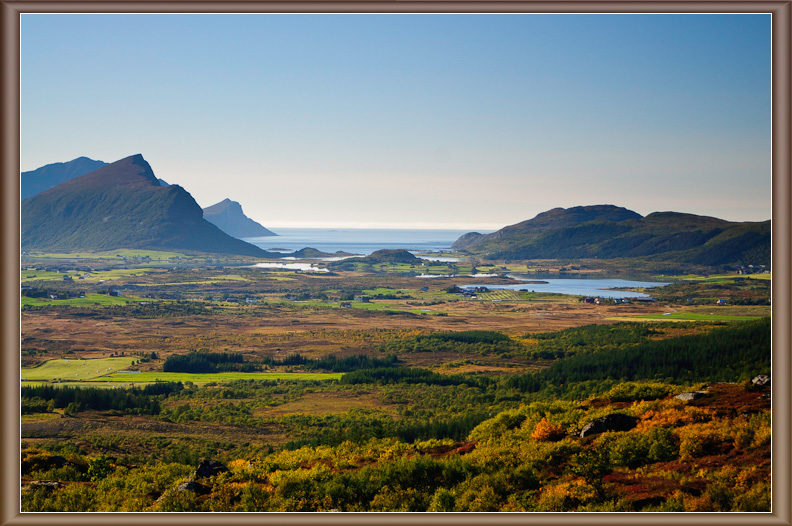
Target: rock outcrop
611,422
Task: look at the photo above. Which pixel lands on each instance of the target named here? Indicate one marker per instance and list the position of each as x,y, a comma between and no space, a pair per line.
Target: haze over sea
359,240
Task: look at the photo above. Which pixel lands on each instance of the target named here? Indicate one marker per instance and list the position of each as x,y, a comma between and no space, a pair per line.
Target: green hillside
605,231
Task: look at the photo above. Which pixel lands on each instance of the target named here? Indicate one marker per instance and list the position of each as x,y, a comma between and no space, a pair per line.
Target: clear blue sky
473,121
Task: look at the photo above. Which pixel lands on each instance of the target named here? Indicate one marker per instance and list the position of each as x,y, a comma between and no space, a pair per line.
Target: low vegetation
305,405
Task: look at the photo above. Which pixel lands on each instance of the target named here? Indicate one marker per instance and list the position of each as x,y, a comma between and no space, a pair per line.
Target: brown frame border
782,255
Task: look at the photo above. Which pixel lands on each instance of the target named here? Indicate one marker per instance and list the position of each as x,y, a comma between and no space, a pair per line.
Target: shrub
545,431
635,391
698,445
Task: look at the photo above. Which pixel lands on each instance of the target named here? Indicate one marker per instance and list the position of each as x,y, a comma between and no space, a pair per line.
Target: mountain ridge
122,205
607,231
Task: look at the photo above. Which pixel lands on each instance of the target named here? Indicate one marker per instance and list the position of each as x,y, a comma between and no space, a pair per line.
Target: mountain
544,222
51,175
607,231
386,256
122,205
227,215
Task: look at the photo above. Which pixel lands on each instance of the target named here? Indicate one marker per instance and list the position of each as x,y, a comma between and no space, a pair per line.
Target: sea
361,241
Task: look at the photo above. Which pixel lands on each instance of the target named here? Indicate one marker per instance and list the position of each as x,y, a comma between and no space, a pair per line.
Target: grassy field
88,300
208,281
98,372
74,369
101,275
154,255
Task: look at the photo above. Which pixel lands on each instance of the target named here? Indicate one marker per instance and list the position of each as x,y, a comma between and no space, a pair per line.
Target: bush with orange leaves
546,431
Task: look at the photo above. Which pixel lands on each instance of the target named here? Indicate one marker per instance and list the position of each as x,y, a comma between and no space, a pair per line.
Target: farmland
369,388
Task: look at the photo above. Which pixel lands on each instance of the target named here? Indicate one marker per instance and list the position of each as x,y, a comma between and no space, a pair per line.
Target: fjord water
578,287
362,241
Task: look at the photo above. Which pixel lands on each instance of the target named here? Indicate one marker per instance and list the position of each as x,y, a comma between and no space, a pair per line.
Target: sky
468,121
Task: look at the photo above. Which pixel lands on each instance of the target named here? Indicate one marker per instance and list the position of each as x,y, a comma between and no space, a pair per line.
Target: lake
577,287
364,241
359,240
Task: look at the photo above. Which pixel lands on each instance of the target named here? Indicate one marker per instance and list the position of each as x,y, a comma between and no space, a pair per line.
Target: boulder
191,485
611,422
209,468
690,395
761,380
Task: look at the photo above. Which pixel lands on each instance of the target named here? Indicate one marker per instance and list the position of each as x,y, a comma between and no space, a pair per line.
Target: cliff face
228,216
122,205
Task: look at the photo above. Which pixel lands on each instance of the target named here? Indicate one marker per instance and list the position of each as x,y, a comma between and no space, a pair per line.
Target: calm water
578,287
365,241
362,241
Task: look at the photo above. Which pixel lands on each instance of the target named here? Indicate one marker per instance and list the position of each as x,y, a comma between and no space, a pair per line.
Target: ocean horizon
362,241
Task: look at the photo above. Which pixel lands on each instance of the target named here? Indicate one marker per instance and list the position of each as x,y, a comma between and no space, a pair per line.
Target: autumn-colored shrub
673,416
544,430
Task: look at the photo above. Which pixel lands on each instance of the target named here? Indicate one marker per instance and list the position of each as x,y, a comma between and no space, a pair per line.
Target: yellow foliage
673,416
238,464
559,496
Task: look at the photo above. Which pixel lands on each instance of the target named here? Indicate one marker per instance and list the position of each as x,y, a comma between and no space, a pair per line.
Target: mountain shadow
51,175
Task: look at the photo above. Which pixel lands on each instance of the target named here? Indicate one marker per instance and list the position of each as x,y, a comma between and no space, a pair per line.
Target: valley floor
366,391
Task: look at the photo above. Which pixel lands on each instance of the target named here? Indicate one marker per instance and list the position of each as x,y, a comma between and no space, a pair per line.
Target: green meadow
154,255
75,369
99,371
88,300
94,277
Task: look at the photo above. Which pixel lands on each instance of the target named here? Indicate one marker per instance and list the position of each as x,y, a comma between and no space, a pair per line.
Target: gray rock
611,422
690,395
190,485
761,380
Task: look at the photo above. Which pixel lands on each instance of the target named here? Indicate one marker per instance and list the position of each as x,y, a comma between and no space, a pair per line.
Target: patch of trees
568,342
726,354
413,375
359,426
479,342
140,401
208,362
332,363
203,362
